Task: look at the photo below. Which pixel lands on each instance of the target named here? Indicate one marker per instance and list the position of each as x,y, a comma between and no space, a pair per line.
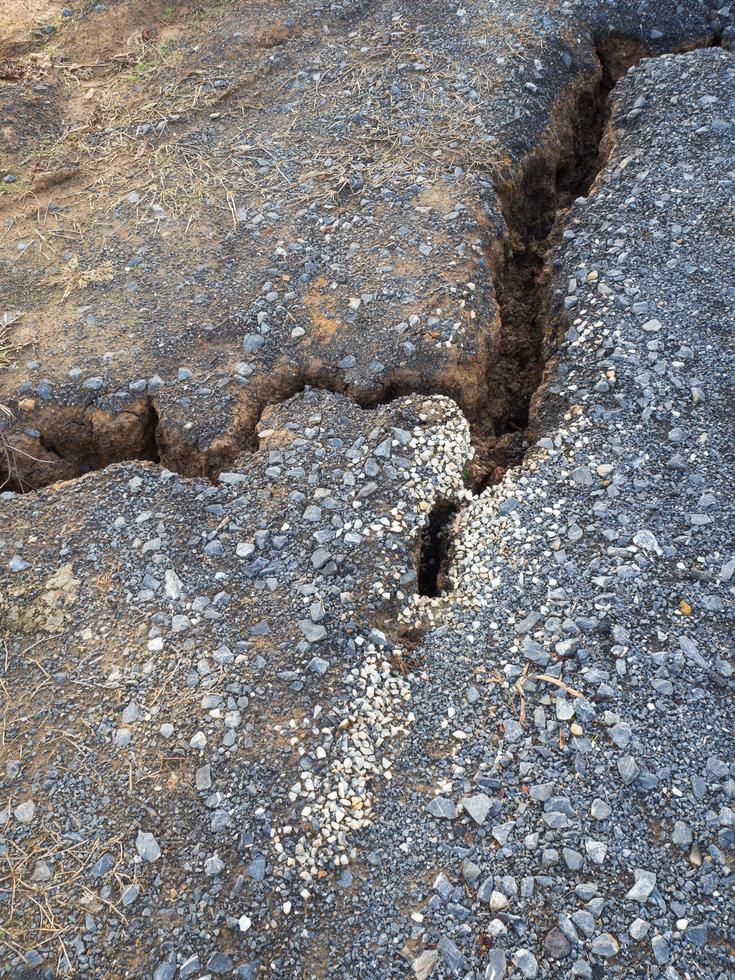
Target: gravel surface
433,677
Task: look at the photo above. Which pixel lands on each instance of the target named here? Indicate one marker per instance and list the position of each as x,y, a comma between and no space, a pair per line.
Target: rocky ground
367,542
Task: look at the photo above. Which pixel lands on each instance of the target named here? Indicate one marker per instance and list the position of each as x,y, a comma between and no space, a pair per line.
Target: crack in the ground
534,202
435,548
535,206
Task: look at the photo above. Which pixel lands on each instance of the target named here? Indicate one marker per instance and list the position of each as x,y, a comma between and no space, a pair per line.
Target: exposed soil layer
66,442
535,204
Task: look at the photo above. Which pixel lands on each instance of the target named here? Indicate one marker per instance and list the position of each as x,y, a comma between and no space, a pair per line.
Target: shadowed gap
435,549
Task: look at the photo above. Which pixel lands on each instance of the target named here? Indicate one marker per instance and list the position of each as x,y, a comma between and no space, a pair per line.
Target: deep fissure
534,209
435,548
534,203
535,206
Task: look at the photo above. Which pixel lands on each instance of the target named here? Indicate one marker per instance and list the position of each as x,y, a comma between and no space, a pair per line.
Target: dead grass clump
72,277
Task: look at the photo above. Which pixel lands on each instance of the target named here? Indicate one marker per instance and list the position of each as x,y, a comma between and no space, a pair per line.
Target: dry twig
558,683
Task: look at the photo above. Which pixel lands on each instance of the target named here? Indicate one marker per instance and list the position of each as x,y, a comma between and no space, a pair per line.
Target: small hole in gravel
436,548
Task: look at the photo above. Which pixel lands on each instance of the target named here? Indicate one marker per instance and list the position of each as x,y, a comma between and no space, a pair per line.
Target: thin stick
557,683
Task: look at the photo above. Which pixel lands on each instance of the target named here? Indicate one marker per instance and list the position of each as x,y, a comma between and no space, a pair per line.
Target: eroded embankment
69,441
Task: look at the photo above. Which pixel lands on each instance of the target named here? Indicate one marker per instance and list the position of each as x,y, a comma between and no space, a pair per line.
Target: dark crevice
534,205
435,549
150,439
534,202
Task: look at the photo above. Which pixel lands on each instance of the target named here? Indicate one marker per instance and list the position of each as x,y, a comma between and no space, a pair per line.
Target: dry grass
72,277
156,140
142,151
7,319
49,909
41,909
46,903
